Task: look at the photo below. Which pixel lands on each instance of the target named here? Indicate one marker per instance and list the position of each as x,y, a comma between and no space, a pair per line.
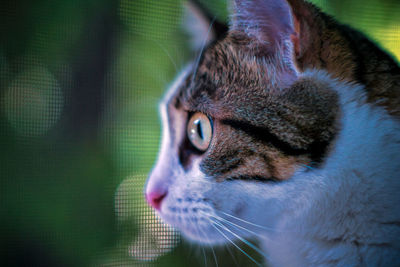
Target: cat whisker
169,55
257,225
191,244
241,239
226,246
196,66
250,223
229,222
308,167
204,255
198,229
215,257
242,220
231,253
146,37
205,236
234,244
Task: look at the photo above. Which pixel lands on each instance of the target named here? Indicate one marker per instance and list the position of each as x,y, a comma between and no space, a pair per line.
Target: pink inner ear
269,21
295,37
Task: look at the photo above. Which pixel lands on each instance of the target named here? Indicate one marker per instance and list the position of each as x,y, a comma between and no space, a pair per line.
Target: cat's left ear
203,27
269,23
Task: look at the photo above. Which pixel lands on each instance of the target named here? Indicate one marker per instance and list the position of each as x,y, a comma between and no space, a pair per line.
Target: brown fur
347,54
265,126
274,128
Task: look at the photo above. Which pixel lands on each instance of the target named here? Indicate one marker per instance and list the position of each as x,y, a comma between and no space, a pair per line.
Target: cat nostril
155,199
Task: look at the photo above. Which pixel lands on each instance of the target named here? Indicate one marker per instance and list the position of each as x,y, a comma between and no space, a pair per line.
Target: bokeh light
154,238
33,101
76,151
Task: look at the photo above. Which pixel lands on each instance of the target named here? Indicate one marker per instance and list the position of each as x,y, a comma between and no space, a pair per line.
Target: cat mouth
198,224
202,230
201,225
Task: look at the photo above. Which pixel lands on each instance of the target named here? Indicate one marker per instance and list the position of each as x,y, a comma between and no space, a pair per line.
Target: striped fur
305,145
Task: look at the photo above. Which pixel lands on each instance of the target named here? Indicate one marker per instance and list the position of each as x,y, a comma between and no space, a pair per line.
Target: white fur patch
345,213
166,156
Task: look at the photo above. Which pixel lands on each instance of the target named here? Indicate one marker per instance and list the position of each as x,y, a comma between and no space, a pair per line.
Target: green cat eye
199,131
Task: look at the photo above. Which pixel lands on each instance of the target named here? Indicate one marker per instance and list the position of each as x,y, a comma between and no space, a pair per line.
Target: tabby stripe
263,134
224,165
253,178
271,168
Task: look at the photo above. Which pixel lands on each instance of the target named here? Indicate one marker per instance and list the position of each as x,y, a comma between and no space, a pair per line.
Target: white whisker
146,37
250,223
239,219
169,55
204,255
215,257
196,66
233,243
231,253
208,240
308,167
231,223
241,239
198,229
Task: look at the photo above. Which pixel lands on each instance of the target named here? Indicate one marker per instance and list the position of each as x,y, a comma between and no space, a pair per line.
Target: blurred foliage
79,86
378,19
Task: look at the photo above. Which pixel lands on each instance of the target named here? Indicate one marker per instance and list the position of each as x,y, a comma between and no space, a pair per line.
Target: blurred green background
79,130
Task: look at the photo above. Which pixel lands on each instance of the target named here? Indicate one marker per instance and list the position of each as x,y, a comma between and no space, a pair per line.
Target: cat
286,129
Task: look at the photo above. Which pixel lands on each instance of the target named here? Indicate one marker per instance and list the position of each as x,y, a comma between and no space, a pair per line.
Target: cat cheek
239,209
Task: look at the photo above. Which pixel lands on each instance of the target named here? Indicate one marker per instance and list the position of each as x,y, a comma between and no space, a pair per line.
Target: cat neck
354,198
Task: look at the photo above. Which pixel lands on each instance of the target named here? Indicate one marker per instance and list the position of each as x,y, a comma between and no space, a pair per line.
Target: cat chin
197,229
213,238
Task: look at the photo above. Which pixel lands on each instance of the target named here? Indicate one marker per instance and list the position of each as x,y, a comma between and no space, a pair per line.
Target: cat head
239,124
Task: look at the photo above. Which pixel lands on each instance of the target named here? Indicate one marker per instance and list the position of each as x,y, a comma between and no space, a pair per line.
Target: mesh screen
79,132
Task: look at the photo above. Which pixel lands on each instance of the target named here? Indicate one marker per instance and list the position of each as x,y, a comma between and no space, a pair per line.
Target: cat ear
201,25
269,22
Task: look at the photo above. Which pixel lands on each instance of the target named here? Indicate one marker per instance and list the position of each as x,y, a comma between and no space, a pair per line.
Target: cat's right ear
201,25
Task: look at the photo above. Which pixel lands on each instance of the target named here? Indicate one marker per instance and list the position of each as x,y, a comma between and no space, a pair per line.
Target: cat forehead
228,74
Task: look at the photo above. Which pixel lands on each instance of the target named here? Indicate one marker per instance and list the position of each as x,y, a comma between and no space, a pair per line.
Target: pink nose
155,198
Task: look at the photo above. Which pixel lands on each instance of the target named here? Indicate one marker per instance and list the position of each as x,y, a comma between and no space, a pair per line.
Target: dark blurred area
79,130
57,180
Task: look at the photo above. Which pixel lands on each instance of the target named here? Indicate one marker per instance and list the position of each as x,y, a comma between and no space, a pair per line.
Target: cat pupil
269,129
199,129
